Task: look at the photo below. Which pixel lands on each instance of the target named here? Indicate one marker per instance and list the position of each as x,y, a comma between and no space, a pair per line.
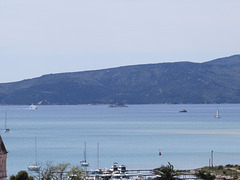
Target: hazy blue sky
50,36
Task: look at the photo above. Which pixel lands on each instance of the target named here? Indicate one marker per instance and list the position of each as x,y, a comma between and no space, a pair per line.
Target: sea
132,136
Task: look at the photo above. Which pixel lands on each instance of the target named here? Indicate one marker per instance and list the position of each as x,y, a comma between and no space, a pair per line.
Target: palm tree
165,173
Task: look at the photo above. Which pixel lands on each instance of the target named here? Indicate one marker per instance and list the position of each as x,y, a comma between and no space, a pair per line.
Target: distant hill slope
216,81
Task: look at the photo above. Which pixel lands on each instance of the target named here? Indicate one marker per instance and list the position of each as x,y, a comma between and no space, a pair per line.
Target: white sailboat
35,166
218,114
84,163
32,106
6,130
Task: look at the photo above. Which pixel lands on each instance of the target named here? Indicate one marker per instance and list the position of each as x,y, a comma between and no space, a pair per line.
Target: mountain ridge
216,81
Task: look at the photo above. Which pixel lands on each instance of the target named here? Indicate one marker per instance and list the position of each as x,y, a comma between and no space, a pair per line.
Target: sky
40,37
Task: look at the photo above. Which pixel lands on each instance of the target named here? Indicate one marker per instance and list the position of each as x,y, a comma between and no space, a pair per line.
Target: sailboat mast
36,151
212,158
35,167
84,162
6,120
98,155
85,155
218,114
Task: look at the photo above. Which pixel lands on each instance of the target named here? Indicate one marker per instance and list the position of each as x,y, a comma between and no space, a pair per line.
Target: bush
205,175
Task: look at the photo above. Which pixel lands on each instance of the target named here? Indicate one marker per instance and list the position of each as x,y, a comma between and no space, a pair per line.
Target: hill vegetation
216,81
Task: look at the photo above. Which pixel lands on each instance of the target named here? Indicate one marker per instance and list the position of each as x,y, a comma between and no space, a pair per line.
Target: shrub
205,175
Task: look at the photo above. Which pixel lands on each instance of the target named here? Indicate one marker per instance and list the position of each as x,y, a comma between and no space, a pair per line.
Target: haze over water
131,136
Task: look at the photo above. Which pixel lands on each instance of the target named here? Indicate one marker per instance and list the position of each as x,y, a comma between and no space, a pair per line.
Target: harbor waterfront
132,136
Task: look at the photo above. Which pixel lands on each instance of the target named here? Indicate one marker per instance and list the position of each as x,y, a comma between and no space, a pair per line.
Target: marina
120,172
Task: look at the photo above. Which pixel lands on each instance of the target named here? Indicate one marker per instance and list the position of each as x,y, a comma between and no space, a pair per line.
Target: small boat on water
35,166
118,105
32,106
184,110
84,163
217,114
114,167
6,130
118,172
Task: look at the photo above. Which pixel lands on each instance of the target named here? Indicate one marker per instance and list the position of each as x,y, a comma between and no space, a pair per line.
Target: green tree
165,173
22,175
12,177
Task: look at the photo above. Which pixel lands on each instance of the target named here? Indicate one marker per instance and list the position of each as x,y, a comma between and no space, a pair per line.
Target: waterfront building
3,160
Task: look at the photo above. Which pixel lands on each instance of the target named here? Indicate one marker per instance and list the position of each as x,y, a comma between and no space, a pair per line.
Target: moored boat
32,106
118,105
6,130
84,163
217,114
35,166
184,110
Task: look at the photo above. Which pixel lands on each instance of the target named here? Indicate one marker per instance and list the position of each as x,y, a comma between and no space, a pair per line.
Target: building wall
3,166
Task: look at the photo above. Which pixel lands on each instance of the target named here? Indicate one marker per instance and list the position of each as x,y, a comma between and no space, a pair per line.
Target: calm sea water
131,136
